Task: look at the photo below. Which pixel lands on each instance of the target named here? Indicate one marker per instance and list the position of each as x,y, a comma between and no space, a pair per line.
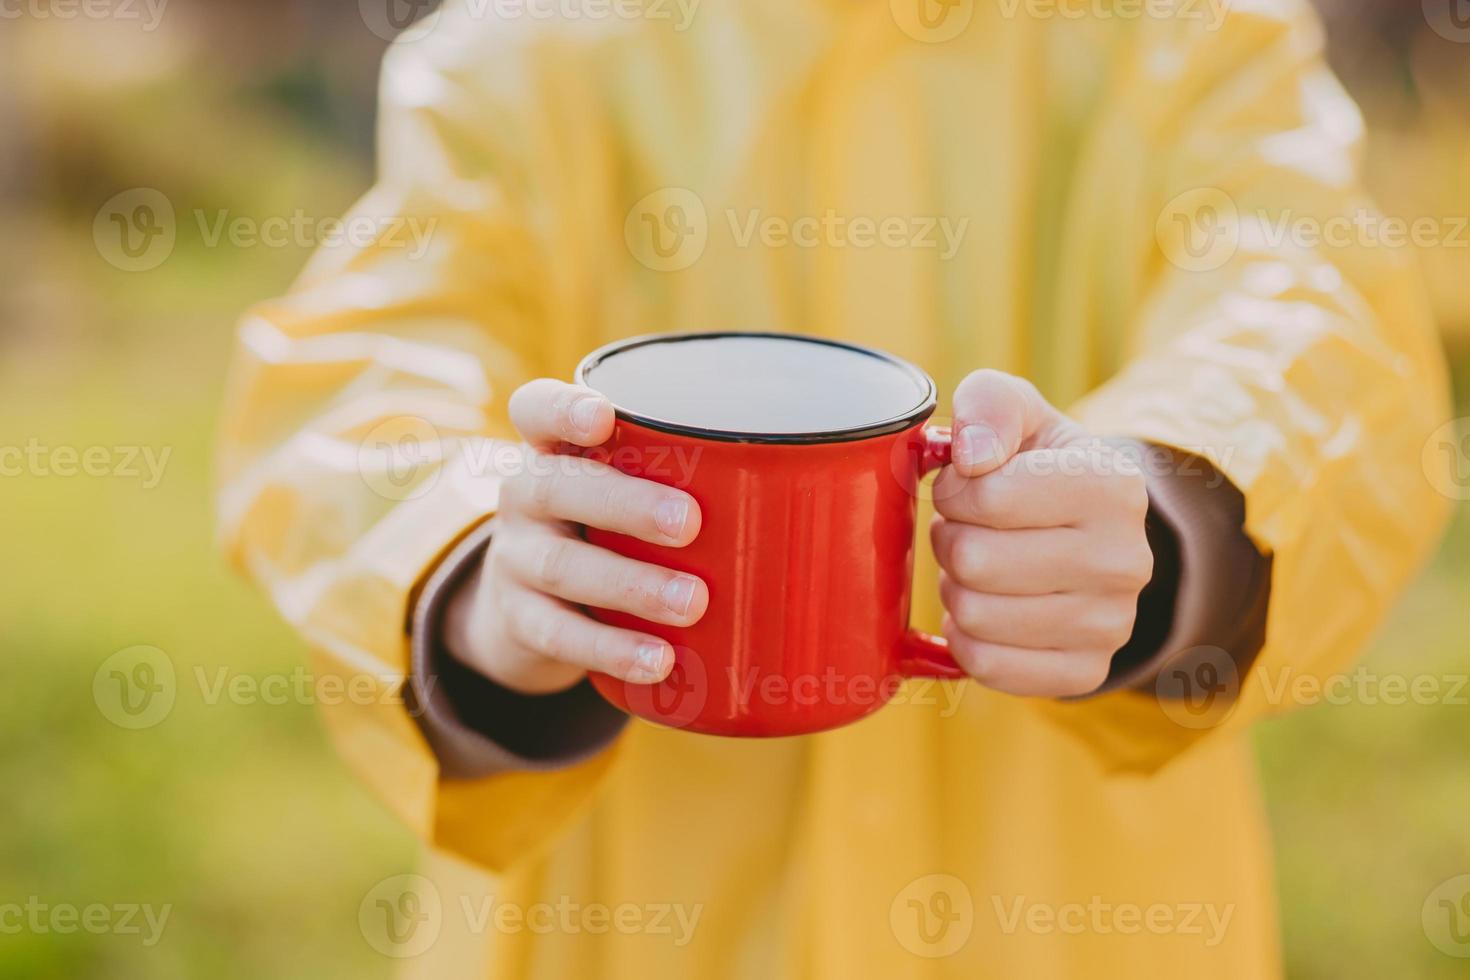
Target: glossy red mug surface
807,547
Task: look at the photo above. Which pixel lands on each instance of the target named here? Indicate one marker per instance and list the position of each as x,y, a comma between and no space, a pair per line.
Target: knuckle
968,559
1094,674
612,502
553,564
1110,624
968,654
552,635
543,631
948,491
1131,490
993,497
609,654
532,404
513,493
520,624
1140,566
964,607
498,554
639,592
1127,568
541,491
561,408
1021,385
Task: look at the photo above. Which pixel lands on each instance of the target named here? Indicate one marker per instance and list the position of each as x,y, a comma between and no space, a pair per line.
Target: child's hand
1040,536
520,626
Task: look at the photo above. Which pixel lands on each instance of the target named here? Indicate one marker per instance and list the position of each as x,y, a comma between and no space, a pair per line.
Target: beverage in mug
804,455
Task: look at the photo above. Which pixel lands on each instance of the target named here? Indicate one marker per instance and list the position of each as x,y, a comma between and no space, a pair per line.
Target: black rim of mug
898,423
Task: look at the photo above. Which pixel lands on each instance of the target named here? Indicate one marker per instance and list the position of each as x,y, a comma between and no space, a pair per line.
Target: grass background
239,815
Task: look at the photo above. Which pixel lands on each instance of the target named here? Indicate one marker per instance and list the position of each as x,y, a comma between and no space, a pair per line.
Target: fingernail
678,593
977,445
648,662
671,515
584,413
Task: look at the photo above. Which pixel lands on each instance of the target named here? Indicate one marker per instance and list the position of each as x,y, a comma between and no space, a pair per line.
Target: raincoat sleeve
358,439
1273,327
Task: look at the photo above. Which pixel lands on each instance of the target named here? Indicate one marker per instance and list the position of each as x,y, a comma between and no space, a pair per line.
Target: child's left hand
1040,536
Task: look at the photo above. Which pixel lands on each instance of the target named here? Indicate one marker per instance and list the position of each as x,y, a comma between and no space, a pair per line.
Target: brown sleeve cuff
476,727
1211,587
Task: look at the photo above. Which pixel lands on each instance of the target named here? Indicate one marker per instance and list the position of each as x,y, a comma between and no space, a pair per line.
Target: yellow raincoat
588,177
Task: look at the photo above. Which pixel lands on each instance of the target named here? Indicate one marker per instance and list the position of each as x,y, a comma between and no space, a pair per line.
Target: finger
570,568
995,416
1060,621
547,412
1045,488
1029,562
1039,561
585,491
553,629
1028,673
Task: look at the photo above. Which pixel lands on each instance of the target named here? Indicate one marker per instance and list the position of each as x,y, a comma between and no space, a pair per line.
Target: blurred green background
238,815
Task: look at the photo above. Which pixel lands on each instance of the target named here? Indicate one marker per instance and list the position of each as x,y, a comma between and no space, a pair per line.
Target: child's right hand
520,624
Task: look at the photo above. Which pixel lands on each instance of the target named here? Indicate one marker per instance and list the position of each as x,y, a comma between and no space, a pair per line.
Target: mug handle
923,654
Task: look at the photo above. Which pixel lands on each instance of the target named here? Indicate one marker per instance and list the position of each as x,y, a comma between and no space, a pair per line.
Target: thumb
994,415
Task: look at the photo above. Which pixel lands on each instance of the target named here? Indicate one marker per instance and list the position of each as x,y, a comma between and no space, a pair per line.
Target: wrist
1211,586
462,630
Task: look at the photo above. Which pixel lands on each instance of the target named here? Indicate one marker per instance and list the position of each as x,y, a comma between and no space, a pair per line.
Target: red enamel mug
804,455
